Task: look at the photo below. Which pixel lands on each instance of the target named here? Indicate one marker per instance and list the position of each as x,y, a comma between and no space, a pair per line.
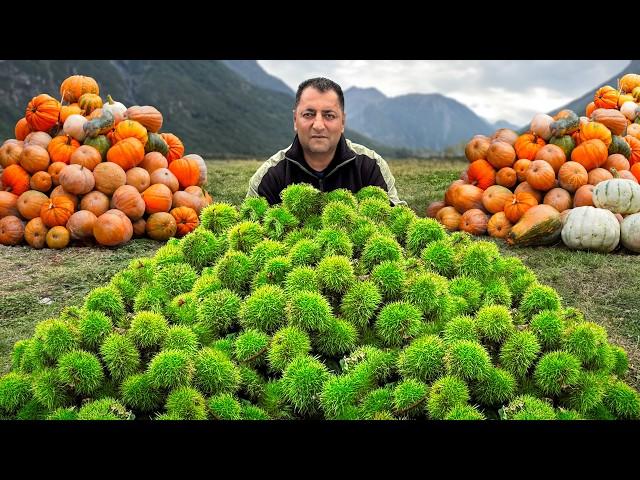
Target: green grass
604,287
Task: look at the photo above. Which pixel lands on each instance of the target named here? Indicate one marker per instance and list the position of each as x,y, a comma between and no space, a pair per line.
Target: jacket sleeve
382,177
263,183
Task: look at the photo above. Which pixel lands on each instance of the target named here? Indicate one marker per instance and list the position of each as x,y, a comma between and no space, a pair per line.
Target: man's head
318,115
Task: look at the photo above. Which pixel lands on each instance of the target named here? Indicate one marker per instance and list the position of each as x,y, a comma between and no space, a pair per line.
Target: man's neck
319,161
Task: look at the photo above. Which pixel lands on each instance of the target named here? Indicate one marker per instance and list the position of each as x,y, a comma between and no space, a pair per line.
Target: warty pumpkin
589,228
73,87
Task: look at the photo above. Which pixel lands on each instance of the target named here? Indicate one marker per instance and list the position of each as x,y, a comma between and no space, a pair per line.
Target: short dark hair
323,85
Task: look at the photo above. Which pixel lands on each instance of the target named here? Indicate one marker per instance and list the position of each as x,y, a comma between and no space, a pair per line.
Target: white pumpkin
201,165
540,125
630,110
630,232
590,228
116,108
37,138
73,126
618,195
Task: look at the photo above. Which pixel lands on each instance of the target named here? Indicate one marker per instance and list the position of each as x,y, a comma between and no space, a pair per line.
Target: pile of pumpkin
569,177
90,170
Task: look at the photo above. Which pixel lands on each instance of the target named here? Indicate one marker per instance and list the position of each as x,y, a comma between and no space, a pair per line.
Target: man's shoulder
363,150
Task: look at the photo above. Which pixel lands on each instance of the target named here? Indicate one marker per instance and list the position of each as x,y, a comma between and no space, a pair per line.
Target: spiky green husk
422,359
250,347
528,407
360,302
519,352
120,356
400,218
464,412
460,328
622,400
588,392
33,357
175,278
334,242
376,401
57,337
468,288
538,298
251,412
430,293
372,191
363,229
273,401
621,361
142,270
494,323
397,323
340,337
138,393
390,278
286,344
439,256
15,391
170,369
562,414
556,371
446,393
338,215
183,309
32,410
266,250
218,311
63,414
150,298
274,272
244,236
81,371
17,353
604,360
106,300
181,337
305,252
309,311
304,233
202,247
478,260
302,200
496,388
224,407
302,382
253,208
125,283
170,253
186,403
264,309
219,217
584,339
301,279
496,292
215,373
104,409
278,221
235,271
251,384
206,283
421,232
378,249
338,396
148,330
547,327
375,209
225,345
341,195
94,328
467,360
409,397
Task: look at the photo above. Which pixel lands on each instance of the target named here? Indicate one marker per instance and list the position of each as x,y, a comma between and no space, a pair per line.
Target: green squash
619,145
540,225
565,126
565,142
100,143
156,143
100,125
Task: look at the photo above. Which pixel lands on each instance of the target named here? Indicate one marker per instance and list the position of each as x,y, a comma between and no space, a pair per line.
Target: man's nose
318,122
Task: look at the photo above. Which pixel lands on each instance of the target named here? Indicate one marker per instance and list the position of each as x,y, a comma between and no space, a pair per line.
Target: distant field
36,284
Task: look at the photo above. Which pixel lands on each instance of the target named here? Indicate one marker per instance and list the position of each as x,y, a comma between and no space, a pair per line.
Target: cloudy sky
512,90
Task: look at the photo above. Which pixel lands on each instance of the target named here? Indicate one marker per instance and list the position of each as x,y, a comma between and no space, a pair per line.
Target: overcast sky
512,90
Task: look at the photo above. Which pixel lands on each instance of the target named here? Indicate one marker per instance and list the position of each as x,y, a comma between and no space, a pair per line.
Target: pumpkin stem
614,172
110,99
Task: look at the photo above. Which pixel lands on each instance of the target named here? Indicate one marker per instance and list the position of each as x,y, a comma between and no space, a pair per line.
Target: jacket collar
343,153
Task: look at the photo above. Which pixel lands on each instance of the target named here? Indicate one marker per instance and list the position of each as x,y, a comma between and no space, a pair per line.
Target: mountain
415,121
505,124
252,72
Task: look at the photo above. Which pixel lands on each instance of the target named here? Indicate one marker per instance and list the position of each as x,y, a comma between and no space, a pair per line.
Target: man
320,154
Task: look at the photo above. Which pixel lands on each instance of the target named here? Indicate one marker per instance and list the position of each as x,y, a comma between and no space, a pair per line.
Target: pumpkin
606,97
30,203
495,197
590,154
76,179
501,154
630,232
57,237
95,202
34,158
202,166
565,142
156,143
634,144
22,129
74,126
474,221
635,93
138,178
10,154
182,198
565,125
41,181
80,224
617,161
466,197
42,112
598,175
139,228
449,192
35,233
499,225
127,153
629,110
591,130
521,166
480,173
541,175
187,172
505,135
558,198
540,225
589,228
165,177
153,161
56,211
449,217
617,195
68,110
8,204
176,148
131,129
54,171
634,130
541,125
109,176
158,198
633,174
611,118
527,146
583,196
86,156
629,81
507,177
62,147
161,226
73,87
553,155
524,187
432,209
186,220
97,113
117,109
100,143
129,201
518,205
477,148
147,115
59,192
89,102
37,138
619,145
200,193
111,229
15,179
100,125
11,230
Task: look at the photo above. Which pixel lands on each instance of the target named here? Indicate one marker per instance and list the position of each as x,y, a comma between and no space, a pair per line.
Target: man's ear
295,129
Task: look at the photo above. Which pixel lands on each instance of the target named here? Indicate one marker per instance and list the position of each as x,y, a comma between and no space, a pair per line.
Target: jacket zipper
321,180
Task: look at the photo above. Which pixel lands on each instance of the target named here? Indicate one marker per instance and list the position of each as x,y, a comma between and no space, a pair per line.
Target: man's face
318,120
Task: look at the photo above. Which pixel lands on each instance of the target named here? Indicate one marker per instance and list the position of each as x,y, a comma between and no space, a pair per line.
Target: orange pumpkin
42,112
635,171
56,211
153,161
109,176
138,178
95,202
127,153
54,171
89,102
59,192
150,117
432,209
590,154
112,228
34,159
15,179
583,196
591,130
187,172
466,197
80,224
477,148
449,217
617,161
57,237
629,81
634,143
157,198
634,130
166,177
505,135
11,230
10,154
558,198
501,154
628,175
61,148
161,226
499,225
76,179
86,156
131,129
35,233
590,108
480,173
520,203
449,192
553,155
598,175
541,175
572,175
606,97
22,129
474,221
186,220
527,146
611,118
495,197
129,201
521,166
182,198
67,110
73,87
176,148
507,177
30,203
139,228
8,204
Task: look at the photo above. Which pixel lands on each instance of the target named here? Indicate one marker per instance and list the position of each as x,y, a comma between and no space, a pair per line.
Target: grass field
37,284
